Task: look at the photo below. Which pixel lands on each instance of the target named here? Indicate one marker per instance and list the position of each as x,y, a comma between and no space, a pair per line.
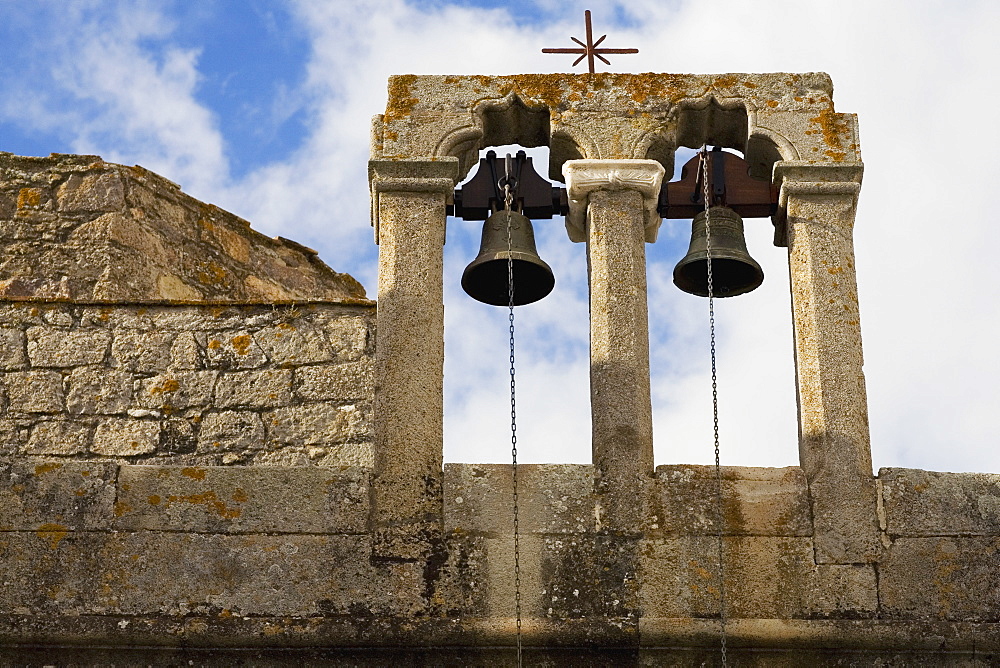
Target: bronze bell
486,277
734,272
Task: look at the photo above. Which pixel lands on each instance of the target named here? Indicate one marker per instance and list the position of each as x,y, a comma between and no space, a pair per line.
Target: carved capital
585,176
426,175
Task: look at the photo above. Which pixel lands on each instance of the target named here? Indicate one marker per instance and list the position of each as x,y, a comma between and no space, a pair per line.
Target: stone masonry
215,450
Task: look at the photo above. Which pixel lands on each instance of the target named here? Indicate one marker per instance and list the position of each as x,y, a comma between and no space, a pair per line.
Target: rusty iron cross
589,50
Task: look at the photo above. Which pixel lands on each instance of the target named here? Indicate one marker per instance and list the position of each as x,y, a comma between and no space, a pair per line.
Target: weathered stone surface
124,234
230,431
177,390
552,498
185,353
241,499
766,577
928,503
142,351
348,337
954,578
34,391
254,389
317,424
126,438
756,501
59,496
98,390
353,381
48,347
186,574
59,437
234,351
13,354
287,343
101,191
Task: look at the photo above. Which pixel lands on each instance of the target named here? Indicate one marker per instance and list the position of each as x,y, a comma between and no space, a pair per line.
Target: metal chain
704,163
508,203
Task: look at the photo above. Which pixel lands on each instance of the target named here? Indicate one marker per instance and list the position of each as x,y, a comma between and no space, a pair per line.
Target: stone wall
176,384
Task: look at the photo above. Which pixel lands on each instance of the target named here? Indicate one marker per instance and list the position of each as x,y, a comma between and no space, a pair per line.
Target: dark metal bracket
483,195
730,185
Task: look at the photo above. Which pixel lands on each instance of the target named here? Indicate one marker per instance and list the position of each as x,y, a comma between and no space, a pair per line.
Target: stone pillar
408,210
613,206
834,447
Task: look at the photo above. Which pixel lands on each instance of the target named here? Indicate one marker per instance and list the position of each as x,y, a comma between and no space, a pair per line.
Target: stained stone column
408,211
613,206
834,446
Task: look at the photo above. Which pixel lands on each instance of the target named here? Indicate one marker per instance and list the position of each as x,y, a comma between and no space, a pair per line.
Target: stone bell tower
612,138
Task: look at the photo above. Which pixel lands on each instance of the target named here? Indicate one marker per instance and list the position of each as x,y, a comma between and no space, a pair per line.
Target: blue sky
263,108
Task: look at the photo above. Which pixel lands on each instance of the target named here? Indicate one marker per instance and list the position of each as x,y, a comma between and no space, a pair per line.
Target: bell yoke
506,198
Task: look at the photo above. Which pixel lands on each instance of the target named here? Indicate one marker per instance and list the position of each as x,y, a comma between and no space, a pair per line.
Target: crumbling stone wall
178,384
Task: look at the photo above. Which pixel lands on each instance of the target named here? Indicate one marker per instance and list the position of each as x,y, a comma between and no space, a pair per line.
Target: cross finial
589,50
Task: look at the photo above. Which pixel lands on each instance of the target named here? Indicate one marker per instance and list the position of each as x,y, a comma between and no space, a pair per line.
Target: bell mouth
486,280
730,277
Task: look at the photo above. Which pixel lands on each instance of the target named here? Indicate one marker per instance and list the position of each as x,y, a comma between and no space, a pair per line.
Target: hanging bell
486,277
734,272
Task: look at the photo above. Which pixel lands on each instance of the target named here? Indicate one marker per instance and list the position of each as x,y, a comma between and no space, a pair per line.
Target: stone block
185,353
228,431
13,353
929,503
348,337
34,391
142,351
265,388
48,347
317,424
102,191
769,577
293,343
189,575
177,390
64,496
11,437
237,499
552,498
352,381
58,437
120,437
756,501
98,390
942,578
232,350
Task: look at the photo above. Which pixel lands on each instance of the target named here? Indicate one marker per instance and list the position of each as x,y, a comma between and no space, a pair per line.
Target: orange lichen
772,103
242,343
193,472
240,495
833,126
400,102
154,499
29,197
121,508
209,500
53,533
214,344
168,385
45,468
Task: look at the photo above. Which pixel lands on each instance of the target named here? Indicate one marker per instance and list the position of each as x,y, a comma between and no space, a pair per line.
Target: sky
264,107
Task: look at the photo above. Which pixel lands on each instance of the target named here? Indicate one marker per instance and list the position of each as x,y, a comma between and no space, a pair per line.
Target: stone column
613,206
408,211
834,447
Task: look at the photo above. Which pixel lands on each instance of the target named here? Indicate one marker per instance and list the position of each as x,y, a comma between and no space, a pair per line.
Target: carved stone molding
585,176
